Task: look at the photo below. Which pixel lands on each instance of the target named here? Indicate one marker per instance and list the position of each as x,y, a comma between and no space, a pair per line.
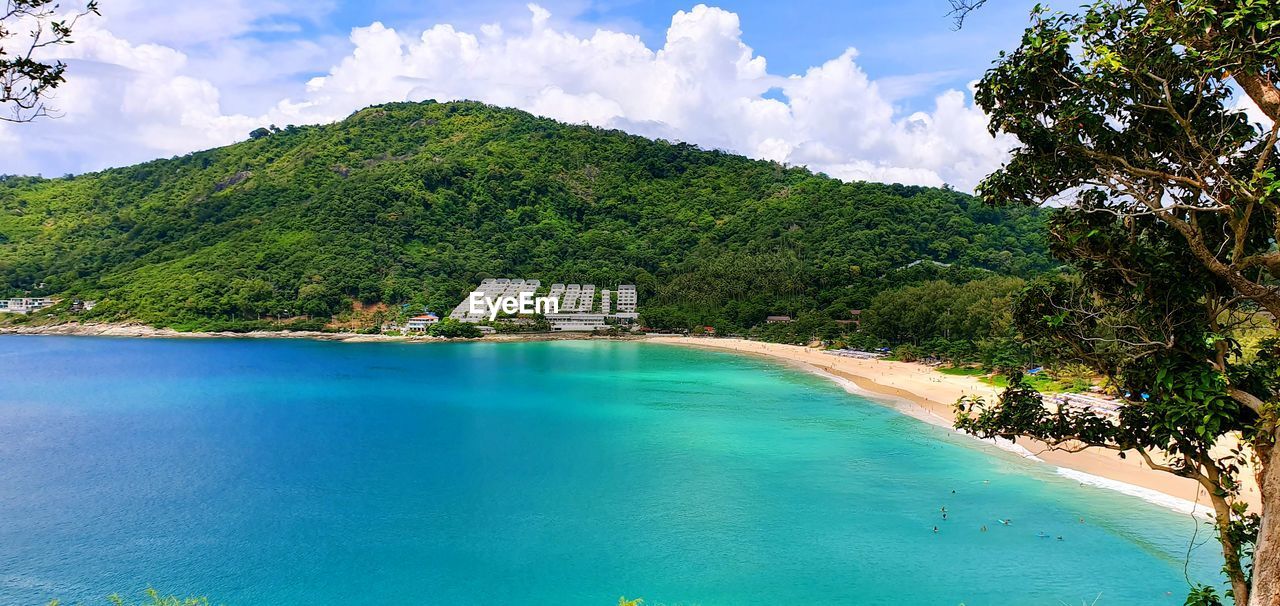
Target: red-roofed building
420,323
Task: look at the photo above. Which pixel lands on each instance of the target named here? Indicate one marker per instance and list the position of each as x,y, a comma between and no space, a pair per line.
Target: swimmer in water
984,528
935,529
1005,522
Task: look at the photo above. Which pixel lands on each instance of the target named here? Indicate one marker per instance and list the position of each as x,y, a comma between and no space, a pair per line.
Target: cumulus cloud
127,102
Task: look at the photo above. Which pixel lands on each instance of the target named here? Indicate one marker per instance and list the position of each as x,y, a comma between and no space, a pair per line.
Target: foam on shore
911,408
1146,494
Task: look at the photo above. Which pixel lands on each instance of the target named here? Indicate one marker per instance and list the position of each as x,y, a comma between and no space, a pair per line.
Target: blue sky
912,40
895,37
770,80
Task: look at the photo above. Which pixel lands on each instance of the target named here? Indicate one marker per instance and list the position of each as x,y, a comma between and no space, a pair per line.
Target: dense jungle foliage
414,203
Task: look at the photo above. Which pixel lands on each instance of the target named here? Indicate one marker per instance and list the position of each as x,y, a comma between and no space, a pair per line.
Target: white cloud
704,86
207,21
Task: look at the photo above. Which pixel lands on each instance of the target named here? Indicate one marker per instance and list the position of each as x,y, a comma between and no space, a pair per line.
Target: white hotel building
627,301
578,307
492,289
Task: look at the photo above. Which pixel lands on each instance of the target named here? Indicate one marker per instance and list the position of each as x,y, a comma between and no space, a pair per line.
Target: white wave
1007,446
912,409
1146,494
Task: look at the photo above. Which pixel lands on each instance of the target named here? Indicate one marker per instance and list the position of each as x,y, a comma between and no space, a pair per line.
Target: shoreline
143,331
926,394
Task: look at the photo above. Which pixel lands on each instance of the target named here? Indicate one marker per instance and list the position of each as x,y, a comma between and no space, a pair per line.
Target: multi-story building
577,322
572,293
576,305
587,298
627,299
492,289
24,305
422,322
557,293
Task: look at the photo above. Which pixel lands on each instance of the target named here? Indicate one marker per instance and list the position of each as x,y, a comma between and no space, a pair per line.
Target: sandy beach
927,394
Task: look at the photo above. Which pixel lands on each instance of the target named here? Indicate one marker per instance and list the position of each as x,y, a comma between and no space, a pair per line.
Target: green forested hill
417,202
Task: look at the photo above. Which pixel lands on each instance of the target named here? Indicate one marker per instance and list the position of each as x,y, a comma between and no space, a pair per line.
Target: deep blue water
299,472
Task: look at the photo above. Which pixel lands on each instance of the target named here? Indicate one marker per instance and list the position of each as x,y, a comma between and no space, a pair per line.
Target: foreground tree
1127,114
26,80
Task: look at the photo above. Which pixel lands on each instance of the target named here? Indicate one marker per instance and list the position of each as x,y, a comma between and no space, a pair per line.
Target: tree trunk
1264,94
1266,560
1239,586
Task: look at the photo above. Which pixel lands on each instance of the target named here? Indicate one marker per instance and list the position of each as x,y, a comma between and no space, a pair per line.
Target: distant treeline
947,319
416,203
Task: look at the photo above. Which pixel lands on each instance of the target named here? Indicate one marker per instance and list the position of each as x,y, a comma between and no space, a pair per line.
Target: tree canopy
416,203
1128,114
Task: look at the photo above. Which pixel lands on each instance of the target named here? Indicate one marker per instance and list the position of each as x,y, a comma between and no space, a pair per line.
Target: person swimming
1005,522
1042,535
935,529
984,528
944,516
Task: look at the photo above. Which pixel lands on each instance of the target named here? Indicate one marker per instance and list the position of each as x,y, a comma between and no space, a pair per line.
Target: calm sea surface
299,472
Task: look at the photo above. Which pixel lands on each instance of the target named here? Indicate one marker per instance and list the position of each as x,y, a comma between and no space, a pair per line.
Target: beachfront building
422,322
492,289
557,293
588,299
627,298
578,309
577,322
24,305
569,302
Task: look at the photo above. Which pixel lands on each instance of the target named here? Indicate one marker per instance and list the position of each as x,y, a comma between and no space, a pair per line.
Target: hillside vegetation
415,203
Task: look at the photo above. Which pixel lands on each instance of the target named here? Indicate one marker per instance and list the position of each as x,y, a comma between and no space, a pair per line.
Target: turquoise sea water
298,472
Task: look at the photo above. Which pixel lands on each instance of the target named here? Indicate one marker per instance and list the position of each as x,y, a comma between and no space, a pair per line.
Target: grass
1041,382
963,371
